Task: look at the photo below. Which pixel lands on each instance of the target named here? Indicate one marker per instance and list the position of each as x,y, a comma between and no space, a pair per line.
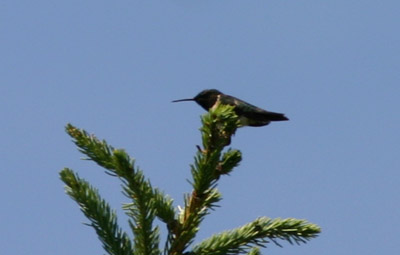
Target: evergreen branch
196,209
103,219
230,160
141,209
147,202
111,159
219,124
96,150
259,232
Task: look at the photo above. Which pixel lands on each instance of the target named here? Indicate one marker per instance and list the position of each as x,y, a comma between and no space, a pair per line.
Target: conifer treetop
146,203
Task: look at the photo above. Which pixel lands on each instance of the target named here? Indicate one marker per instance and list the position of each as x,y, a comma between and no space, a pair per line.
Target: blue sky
113,68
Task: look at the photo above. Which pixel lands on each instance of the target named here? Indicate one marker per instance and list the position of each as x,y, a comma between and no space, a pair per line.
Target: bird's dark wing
252,112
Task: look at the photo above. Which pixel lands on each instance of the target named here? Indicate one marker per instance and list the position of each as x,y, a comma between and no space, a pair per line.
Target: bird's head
206,98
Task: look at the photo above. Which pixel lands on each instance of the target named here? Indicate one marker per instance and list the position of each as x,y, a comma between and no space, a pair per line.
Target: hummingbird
249,115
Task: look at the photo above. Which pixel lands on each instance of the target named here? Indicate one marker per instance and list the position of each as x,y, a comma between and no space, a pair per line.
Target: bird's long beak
182,100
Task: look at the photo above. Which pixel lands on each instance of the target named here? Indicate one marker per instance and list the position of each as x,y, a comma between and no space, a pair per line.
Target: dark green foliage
259,232
102,218
147,203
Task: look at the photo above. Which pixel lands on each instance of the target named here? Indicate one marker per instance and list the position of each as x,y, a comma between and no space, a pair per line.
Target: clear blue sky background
113,67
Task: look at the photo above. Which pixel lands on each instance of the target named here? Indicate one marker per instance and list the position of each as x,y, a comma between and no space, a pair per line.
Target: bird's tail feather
274,116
